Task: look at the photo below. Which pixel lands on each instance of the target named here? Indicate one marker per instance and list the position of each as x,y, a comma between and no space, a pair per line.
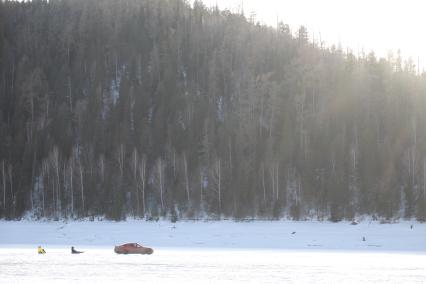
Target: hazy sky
378,25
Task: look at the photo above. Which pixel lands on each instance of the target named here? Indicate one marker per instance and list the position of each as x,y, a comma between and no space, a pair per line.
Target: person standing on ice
41,250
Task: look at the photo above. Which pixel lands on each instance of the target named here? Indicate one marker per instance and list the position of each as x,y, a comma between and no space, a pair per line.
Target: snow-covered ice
214,252
101,265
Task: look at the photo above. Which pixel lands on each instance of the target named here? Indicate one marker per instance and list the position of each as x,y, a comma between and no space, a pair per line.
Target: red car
132,248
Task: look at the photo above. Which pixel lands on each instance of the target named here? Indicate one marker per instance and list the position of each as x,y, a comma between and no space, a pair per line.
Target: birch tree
142,181
4,185
185,165
160,180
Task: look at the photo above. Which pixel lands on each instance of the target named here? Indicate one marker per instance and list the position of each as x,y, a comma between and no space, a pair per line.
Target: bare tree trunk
135,176
13,77
47,171
278,180
116,68
424,181
47,110
219,189
56,167
230,155
261,116
314,109
53,190
32,180
82,186
287,184
32,116
4,186
135,162
160,176
414,150
142,176
174,162
355,148
71,184
271,122
10,169
121,159
299,190
70,92
64,183
102,167
263,182
272,171
186,177
43,172
302,123
201,189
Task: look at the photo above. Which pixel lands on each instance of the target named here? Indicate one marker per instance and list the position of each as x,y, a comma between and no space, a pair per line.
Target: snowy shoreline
404,236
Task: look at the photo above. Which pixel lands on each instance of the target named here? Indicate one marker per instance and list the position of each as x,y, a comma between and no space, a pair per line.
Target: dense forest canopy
161,108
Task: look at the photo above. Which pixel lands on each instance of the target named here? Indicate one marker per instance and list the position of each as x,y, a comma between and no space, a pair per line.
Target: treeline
159,108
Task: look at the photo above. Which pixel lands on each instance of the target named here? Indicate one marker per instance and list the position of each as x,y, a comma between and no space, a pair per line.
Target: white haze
382,26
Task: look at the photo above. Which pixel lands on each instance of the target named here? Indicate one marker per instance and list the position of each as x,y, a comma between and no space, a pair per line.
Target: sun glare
363,26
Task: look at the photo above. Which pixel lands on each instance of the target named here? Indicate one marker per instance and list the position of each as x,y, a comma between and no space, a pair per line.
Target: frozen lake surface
214,252
101,265
285,235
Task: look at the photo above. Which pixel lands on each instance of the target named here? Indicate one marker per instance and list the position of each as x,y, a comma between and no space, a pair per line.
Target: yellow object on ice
41,250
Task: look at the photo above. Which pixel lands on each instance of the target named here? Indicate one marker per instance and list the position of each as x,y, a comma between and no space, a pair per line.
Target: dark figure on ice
73,251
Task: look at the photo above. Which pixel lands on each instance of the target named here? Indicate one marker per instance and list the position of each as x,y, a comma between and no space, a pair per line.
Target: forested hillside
154,108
